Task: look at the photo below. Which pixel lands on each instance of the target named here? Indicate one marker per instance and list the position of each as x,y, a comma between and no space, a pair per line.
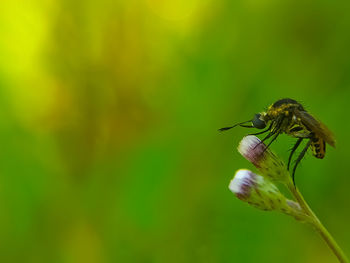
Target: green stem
318,225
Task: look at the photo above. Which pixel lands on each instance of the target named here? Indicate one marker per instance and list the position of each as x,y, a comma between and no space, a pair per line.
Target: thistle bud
263,194
263,158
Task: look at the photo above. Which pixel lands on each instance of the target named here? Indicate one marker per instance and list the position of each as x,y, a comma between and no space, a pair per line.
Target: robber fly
289,116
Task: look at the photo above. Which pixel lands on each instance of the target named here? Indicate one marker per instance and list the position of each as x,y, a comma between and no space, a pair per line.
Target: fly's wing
316,126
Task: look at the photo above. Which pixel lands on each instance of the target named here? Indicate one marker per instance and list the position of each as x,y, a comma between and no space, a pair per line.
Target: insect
289,116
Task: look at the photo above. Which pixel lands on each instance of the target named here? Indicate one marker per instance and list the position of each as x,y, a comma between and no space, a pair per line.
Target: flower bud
263,194
263,158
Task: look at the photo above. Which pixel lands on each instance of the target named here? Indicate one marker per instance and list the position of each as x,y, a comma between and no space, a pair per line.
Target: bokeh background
109,110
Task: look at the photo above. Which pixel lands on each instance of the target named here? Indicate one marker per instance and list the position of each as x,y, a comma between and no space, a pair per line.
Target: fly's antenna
238,124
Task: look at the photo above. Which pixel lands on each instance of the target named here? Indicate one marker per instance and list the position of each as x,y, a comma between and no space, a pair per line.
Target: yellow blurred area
25,30
180,15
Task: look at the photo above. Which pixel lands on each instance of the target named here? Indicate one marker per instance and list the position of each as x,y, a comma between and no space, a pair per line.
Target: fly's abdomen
318,147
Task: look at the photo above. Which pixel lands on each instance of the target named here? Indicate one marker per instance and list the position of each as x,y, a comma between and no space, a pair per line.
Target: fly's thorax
264,116
286,109
281,127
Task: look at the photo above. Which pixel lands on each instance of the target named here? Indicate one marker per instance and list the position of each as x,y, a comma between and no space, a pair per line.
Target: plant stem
317,224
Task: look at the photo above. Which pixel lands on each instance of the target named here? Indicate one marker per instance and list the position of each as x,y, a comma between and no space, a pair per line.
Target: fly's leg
296,145
300,157
272,140
275,131
259,132
268,129
266,137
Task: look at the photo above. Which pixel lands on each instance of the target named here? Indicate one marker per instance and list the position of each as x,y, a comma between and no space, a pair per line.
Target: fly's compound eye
257,122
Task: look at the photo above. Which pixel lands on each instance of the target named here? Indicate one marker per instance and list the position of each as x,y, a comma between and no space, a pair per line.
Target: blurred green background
109,113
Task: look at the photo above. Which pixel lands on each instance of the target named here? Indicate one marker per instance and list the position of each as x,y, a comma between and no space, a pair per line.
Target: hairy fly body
289,116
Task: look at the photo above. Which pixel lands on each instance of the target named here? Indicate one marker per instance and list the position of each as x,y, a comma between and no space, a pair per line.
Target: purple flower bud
261,193
256,190
268,164
252,149
243,182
